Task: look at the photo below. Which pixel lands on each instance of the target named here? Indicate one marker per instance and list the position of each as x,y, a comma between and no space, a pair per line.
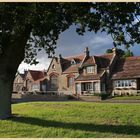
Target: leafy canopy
45,21
121,53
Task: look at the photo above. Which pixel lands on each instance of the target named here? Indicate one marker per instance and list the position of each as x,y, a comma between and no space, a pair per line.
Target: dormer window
90,69
73,62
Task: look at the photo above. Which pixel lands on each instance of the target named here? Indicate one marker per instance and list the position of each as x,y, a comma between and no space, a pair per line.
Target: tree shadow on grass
103,128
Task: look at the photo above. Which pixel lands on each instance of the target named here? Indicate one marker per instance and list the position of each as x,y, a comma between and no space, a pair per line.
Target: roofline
49,65
112,59
103,73
125,78
87,80
69,72
73,56
103,54
82,61
93,57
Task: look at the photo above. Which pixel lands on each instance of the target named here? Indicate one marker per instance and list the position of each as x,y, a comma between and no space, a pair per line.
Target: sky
70,43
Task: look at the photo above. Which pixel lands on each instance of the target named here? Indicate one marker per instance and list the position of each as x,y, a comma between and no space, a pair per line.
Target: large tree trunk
11,57
6,84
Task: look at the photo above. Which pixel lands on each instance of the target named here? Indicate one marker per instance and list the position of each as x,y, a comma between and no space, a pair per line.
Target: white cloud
44,62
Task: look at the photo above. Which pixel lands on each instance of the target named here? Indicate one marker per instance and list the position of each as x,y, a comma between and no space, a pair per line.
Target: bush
104,95
70,97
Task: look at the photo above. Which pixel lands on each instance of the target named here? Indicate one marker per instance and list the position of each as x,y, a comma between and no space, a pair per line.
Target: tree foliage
45,21
121,53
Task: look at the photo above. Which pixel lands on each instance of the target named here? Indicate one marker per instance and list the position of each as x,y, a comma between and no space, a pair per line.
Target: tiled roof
83,77
67,67
37,75
127,68
88,61
103,61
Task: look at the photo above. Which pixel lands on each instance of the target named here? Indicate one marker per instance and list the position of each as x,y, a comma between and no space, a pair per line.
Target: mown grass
127,98
72,119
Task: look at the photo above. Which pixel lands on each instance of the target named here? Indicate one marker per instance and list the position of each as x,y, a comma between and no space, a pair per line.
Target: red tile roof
67,67
103,61
127,68
89,61
89,77
37,75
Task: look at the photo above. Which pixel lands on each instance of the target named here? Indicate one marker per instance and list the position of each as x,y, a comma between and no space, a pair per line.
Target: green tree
26,28
121,53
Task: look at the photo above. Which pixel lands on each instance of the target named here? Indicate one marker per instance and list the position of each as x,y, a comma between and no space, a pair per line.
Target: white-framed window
73,62
70,81
54,81
90,69
123,83
88,86
35,86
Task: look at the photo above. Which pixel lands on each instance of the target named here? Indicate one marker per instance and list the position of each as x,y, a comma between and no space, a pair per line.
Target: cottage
126,76
35,81
85,74
62,72
18,82
30,81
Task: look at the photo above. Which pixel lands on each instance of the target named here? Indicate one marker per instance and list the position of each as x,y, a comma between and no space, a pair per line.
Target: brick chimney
86,51
59,58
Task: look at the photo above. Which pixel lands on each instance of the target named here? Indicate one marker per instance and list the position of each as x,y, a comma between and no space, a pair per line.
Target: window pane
90,69
70,81
54,82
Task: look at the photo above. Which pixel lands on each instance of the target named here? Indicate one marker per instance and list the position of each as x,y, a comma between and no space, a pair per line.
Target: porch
89,88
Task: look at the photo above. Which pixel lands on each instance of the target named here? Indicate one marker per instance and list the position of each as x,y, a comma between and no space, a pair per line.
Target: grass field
127,98
72,119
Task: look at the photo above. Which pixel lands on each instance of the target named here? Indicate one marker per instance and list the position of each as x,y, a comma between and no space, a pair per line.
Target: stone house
126,76
30,81
62,73
18,82
35,81
85,74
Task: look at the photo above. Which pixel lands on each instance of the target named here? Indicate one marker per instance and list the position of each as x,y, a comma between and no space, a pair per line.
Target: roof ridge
36,70
74,56
103,54
133,57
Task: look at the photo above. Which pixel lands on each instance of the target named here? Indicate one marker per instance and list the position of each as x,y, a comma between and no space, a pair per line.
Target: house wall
62,78
18,84
64,83
54,70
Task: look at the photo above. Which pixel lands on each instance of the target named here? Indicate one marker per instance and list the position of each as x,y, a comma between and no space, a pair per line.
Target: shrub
104,95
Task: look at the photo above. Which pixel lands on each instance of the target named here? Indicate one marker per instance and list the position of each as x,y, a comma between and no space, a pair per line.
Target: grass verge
72,120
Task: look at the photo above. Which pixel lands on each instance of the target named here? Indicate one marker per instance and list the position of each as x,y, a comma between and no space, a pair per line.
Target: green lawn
72,119
127,98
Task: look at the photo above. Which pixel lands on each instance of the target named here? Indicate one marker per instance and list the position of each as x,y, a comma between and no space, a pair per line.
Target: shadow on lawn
117,129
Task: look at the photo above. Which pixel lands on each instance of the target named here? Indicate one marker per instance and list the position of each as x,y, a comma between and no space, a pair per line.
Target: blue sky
70,43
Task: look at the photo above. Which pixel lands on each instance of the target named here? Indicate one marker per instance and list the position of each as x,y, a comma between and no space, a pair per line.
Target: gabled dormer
73,62
89,66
